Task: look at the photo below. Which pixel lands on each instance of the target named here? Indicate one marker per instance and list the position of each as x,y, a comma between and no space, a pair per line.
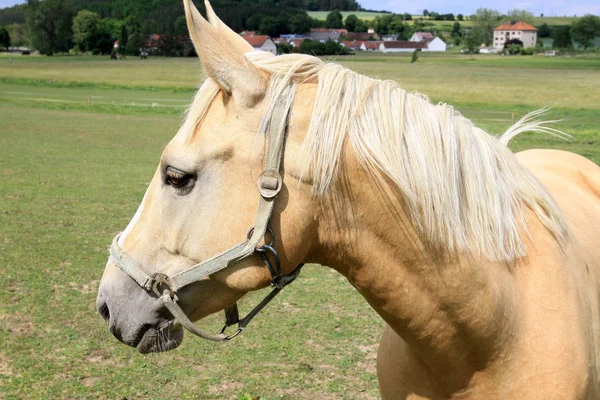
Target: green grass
360,14
79,141
537,21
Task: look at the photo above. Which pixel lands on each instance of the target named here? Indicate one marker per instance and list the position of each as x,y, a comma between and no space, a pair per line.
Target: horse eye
177,178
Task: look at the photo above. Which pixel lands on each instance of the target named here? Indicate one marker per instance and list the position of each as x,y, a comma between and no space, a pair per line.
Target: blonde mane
464,190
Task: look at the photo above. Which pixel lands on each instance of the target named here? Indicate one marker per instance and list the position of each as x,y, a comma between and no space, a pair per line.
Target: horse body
548,327
487,288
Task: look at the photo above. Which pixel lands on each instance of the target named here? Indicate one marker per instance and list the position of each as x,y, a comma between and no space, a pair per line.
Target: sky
467,7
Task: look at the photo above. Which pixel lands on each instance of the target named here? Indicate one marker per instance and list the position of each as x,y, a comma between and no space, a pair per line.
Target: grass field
79,141
368,16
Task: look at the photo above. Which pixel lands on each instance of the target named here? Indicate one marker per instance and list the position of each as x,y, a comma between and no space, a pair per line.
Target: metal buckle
269,183
157,279
269,231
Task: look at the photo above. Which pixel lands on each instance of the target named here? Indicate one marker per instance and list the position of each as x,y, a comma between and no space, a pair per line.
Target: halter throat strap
270,183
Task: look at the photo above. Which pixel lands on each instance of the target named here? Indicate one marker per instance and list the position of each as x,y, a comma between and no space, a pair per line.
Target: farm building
261,43
422,37
515,30
352,44
401,46
370,46
433,42
323,35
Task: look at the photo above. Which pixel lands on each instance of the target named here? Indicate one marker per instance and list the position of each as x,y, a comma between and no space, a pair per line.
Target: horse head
203,197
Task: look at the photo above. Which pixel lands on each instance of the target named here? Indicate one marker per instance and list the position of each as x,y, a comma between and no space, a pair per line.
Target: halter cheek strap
270,183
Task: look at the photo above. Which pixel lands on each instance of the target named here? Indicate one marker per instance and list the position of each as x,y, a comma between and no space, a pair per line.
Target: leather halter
269,186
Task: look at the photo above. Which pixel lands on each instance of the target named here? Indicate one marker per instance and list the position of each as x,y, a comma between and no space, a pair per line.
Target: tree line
52,26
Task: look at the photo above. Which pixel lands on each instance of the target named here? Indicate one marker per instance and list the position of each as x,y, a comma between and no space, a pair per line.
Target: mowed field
80,138
369,16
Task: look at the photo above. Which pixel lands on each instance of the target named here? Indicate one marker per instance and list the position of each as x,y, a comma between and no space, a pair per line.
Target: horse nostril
103,310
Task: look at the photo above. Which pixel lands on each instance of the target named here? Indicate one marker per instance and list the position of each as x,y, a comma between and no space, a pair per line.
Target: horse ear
233,38
223,57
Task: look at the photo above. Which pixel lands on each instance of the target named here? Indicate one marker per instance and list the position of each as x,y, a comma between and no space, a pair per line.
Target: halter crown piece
269,186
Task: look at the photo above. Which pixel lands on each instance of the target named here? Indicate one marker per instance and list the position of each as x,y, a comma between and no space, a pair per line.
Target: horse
483,264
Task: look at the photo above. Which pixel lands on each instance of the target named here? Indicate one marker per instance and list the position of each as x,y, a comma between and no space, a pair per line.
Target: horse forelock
464,190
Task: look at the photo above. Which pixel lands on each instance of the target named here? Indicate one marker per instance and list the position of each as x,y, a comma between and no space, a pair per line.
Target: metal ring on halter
269,230
234,334
157,279
275,272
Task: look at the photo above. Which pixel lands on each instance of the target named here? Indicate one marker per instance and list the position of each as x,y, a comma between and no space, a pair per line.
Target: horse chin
164,338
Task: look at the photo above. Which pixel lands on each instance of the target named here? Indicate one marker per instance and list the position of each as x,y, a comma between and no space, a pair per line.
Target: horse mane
464,190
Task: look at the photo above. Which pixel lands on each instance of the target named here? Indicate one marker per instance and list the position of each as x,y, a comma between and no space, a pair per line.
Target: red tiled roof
363,36
425,35
372,44
352,43
256,41
403,44
515,26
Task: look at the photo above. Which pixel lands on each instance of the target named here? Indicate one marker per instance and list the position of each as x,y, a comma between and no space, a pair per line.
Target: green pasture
537,21
80,138
360,14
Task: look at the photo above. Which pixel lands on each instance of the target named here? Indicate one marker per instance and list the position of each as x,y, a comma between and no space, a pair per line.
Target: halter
269,186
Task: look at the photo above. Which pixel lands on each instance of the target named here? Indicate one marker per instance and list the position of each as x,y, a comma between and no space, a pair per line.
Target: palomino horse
483,264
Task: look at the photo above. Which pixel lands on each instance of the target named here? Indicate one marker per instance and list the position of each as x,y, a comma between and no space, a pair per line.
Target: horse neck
456,313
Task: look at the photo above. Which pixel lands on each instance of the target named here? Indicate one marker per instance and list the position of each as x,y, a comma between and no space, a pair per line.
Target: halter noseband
269,185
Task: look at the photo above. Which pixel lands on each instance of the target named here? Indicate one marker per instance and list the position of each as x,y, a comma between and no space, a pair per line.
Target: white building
398,46
261,43
515,30
433,42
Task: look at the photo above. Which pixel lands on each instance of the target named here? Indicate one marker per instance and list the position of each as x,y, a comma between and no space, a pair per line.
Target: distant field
537,21
80,138
360,14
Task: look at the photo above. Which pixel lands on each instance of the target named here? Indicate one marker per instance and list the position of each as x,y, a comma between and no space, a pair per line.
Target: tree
334,20
180,26
425,13
135,42
123,38
85,26
562,38
544,31
457,30
4,38
485,20
472,42
300,23
18,35
519,15
50,25
460,17
350,23
585,29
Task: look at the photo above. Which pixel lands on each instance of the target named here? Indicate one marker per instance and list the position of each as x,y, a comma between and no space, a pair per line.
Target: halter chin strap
270,183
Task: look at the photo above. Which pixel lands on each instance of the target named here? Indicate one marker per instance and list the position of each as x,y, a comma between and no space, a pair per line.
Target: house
362,36
296,42
261,43
370,45
398,46
515,30
352,44
422,37
436,44
323,35
433,42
